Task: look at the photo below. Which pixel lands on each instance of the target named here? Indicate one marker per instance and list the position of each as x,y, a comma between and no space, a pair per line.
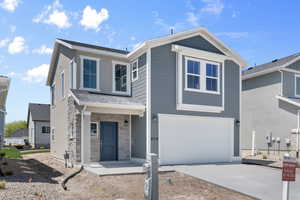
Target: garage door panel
186,139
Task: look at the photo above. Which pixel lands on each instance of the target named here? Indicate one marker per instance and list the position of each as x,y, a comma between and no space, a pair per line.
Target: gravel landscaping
38,176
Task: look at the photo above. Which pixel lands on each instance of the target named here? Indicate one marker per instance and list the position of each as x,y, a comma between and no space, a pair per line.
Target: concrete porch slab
119,168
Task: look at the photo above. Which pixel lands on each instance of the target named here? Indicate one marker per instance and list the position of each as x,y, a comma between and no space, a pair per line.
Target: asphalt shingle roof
94,46
39,112
97,97
275,63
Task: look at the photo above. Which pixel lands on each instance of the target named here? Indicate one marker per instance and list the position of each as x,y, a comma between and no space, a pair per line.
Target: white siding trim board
97,72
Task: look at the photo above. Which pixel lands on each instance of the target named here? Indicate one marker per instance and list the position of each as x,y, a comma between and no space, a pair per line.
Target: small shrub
2,185
2,154
265,157
42,147
8,173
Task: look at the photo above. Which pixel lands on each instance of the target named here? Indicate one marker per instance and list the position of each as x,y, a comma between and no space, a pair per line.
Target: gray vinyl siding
295,65
198,42
2,124
138,137
264,113
58,112
105,70
197,98
288,84
163,89
41,139
139,86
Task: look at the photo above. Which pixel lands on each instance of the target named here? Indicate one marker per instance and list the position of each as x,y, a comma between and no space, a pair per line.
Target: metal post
253,144
154,177
285,190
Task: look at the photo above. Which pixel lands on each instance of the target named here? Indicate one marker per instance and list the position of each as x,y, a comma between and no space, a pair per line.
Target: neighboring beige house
38,123
177,96
4,86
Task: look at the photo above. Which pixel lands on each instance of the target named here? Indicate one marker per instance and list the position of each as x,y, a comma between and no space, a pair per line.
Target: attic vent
250,68
274,60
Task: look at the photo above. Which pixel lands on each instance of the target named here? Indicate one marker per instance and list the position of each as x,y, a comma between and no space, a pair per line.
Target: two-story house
4,86
271,104
177,96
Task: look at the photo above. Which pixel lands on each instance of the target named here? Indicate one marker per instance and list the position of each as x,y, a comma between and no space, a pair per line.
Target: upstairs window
202,75
135,71
72,74
297,85
89,73
120,77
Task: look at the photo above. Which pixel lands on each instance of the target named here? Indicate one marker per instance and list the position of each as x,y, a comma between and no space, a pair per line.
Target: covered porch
106,128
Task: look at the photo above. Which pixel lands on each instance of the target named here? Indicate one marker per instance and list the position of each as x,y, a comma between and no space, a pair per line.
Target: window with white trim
202,75
72,74
297,85
135,71
89,71
120,77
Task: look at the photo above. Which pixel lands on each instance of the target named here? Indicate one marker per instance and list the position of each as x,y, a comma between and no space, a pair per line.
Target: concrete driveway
256,181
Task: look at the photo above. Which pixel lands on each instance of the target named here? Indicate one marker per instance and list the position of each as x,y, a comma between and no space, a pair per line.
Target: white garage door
190,139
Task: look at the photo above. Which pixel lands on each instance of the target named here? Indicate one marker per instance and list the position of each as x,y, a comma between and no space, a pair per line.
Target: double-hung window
45,129
89,73
120,78
202,75
297,85
135,71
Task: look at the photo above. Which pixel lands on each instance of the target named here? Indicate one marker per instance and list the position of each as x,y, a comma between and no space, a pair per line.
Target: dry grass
2,185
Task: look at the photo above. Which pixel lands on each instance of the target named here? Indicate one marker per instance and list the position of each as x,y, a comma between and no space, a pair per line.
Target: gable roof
23,132
144,47
269,67
39,112
4,86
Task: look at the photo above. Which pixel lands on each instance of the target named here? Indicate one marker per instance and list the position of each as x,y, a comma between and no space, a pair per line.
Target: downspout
82,113
297,138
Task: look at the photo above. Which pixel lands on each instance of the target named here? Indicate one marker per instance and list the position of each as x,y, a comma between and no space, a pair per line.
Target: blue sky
258,30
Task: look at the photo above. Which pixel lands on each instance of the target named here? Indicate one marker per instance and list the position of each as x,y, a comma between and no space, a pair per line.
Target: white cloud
17,45
53,14
10,5
4,42
165,26
132,38
43,50
58,18
192,18
214,7
91,19
37,74
234,35
134,46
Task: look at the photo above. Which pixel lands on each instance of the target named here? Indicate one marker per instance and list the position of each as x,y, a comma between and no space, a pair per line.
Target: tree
11,127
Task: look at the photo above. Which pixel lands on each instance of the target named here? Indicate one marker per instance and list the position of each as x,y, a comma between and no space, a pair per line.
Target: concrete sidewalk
257,181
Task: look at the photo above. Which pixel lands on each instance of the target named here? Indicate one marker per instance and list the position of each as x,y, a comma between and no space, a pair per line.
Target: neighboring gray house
4,86
17,138
271,102
177,96
38,124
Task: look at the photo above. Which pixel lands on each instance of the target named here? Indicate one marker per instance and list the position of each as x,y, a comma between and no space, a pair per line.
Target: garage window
202,75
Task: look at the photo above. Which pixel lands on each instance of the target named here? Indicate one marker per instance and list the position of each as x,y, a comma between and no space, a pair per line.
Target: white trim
240,115
267,71
281,88
200,54
115,106
290,70
130,134
128,77
138,160
288,100
73,74
194,107
137,70
199,108
148,104
202,76
186,34
97,72
295,85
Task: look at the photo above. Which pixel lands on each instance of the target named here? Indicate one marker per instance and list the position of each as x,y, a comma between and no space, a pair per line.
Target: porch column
85,137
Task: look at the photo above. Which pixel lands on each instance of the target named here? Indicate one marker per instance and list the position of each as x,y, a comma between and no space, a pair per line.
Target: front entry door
108,141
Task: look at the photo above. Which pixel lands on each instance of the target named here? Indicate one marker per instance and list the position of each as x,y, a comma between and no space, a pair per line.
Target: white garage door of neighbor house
192,139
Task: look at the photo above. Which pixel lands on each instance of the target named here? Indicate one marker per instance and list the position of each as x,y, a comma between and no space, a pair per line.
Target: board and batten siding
264,113
139,86
163,88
